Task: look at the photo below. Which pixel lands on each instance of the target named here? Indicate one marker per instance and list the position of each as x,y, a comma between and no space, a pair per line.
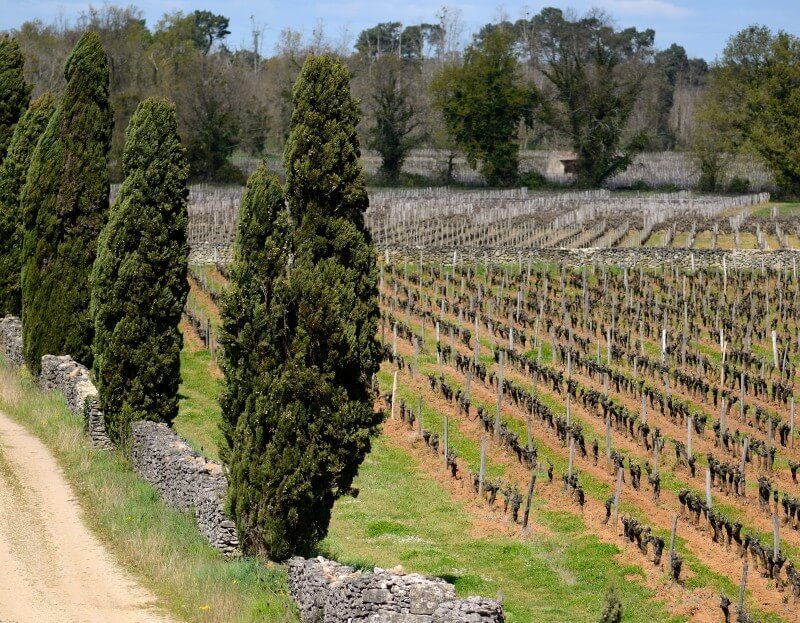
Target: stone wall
185,480
328,592
11,340
211,253
66,375
646,257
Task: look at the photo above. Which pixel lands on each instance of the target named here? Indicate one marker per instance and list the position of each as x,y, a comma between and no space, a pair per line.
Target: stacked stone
328,592
72,379
211,253
646,257
185,480
11,340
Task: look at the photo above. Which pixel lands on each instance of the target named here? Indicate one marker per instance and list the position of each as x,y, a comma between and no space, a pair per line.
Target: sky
700,26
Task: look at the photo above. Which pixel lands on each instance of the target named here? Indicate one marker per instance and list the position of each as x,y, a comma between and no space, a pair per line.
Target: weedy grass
160,545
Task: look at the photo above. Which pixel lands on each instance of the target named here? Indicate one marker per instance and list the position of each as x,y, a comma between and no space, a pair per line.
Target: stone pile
11,340
328,592
185,480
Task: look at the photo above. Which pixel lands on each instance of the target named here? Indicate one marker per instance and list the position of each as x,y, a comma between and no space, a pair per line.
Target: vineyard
656,406
518,219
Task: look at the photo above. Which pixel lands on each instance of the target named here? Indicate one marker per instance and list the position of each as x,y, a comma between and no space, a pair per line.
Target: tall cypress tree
65,206
306,423
12,178
139,284
15,93
249,334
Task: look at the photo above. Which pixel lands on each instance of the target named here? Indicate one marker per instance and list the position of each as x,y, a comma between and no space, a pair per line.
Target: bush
65,206
139,284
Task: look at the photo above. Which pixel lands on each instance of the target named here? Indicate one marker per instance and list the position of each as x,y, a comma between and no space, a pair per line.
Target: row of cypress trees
107,284
104,284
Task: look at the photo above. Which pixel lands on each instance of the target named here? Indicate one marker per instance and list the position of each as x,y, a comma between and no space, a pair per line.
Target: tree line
107,283
554,80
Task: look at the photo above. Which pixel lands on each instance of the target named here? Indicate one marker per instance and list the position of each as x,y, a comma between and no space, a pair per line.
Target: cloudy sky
701,26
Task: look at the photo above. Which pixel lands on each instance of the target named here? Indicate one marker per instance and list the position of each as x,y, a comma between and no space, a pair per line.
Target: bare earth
52,569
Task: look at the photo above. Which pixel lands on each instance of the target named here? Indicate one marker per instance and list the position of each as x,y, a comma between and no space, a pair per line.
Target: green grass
198,407
558,573
159,545
784,209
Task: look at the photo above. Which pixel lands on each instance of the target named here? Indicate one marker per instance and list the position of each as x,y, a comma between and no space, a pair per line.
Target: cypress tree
12,178
15,93
306,424
139,284
249,334
65,206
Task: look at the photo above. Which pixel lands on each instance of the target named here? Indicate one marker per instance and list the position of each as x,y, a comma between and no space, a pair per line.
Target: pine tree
306,424
12,179
65,206
15,93
139,284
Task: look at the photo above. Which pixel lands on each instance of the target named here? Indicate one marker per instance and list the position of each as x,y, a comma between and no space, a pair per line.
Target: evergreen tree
65,206
306,424
12,178
139,284
248,336
15,93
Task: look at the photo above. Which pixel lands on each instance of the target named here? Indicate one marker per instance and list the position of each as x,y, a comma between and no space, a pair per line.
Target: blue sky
702,27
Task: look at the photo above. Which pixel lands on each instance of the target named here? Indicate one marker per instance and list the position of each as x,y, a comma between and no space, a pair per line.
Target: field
519,219
643,367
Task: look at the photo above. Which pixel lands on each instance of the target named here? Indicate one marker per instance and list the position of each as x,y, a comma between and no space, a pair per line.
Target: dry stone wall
656,257
646,257
66,375
328,592
185,480
11,340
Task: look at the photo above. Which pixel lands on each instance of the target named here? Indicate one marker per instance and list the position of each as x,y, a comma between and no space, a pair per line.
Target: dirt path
51,567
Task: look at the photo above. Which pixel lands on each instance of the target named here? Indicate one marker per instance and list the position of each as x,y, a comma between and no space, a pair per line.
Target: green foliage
598,76
208,28
612,613
302,416
247,336
12,178
752,105
65,206
139,281
483,104
15,93
397,118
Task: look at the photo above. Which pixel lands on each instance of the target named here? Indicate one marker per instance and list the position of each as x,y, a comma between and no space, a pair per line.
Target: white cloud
660,8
